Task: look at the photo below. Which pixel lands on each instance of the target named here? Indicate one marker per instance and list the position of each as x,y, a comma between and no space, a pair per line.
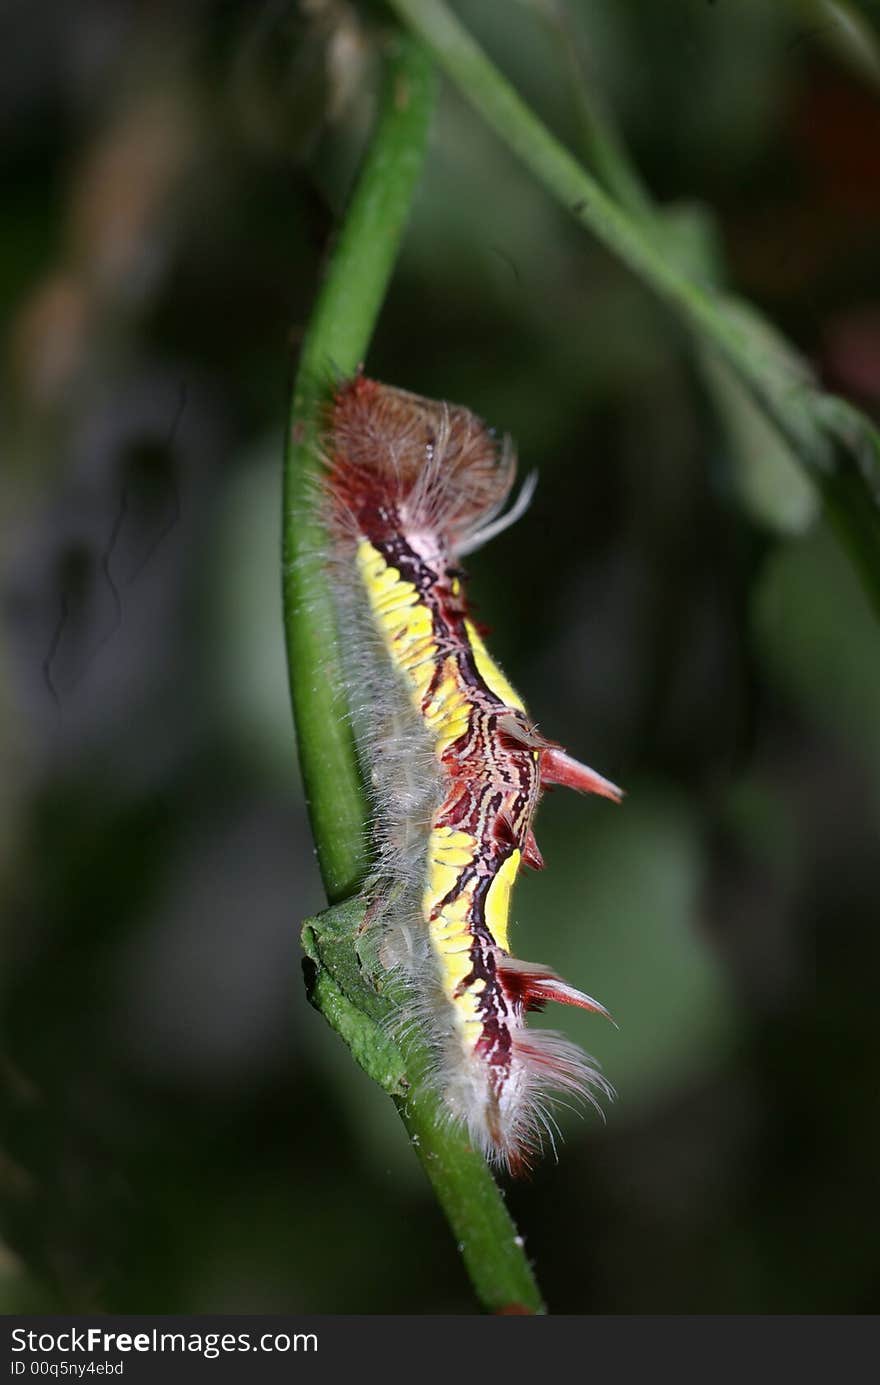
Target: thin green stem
336,342
484,1231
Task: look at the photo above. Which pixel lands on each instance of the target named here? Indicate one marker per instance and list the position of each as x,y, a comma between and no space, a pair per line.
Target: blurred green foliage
182,1132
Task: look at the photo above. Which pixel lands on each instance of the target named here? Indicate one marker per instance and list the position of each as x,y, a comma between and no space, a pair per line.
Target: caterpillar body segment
456,764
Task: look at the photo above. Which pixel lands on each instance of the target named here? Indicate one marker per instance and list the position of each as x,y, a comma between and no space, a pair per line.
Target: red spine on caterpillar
454,762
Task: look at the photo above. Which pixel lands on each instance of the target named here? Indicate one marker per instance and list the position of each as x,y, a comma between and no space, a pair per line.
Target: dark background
183,1133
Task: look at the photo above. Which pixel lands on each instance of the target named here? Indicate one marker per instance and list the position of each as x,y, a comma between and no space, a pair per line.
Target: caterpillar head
427,465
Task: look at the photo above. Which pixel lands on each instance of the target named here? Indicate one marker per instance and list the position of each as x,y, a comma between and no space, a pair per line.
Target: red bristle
559,768
530,985
532,852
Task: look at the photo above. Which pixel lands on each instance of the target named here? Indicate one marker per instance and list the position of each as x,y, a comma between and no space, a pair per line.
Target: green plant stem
483,1228
763,362
336,342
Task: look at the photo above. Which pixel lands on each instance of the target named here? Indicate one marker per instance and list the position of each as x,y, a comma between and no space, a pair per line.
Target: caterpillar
454,763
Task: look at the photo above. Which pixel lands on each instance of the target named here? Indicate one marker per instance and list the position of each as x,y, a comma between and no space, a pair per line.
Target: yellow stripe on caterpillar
497,910
490,672
404,621
449,851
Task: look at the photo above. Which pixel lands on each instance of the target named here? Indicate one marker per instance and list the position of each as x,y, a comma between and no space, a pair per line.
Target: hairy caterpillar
455,764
